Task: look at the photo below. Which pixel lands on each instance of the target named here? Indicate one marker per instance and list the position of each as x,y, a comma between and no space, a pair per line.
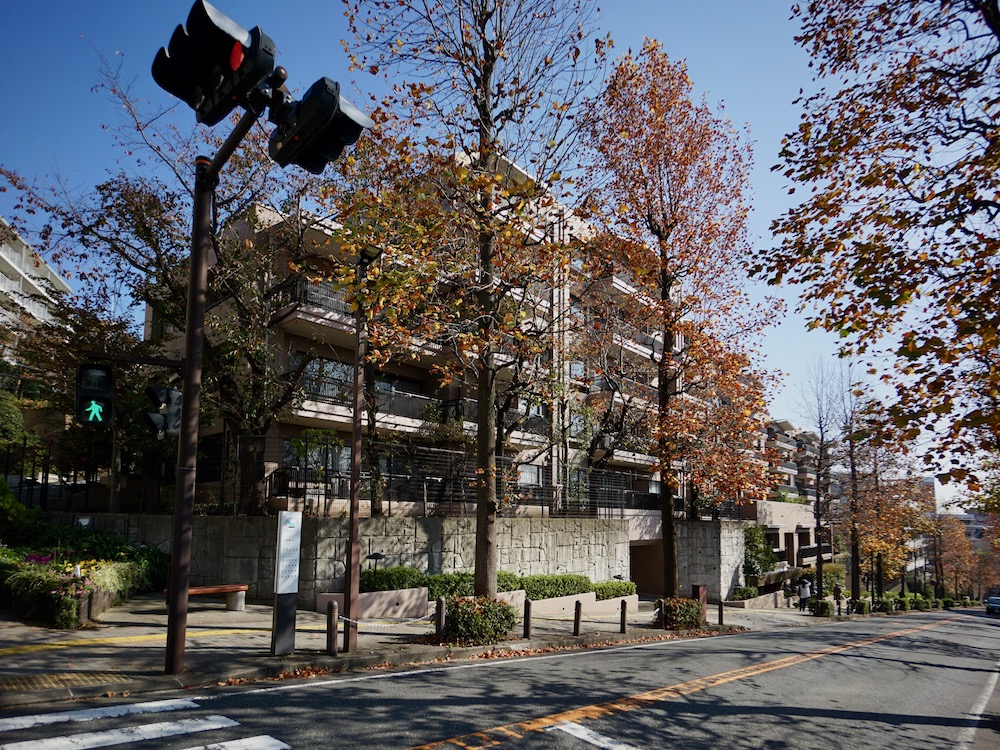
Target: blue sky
739,52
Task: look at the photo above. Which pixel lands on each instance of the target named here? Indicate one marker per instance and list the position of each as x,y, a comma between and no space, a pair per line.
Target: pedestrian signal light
95,390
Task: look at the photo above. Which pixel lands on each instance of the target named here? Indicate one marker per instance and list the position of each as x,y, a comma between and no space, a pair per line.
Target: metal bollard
527,618
439,619
720,612
624,623
332,623
661,616
577,616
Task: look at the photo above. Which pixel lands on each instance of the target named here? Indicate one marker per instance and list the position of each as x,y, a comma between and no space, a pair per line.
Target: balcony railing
323,295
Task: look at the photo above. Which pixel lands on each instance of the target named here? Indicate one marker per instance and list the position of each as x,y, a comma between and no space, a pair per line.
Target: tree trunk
486,485
669,523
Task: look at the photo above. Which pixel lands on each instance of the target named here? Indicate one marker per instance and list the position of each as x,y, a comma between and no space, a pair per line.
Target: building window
529,475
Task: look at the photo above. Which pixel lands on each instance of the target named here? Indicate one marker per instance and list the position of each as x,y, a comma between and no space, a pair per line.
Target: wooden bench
236,594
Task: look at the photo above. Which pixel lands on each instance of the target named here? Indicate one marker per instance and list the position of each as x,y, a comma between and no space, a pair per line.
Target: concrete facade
242,549
710,553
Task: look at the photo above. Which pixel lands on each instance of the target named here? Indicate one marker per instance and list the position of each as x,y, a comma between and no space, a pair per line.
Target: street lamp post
366,257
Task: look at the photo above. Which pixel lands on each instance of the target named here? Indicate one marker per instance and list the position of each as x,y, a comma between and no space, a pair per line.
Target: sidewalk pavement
125,652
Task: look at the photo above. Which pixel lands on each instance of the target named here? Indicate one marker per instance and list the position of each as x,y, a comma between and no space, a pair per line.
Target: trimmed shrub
682,614
948,602
904,604
507,581
861,606
744,592
449,584
390,579
821,607
477,621
611,589
538,587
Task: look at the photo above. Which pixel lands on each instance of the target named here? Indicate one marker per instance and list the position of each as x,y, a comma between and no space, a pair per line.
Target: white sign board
286,562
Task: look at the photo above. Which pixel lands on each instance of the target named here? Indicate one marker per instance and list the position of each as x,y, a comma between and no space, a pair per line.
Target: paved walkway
125,652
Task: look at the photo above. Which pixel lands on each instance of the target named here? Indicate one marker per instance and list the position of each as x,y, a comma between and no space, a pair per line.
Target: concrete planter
399,604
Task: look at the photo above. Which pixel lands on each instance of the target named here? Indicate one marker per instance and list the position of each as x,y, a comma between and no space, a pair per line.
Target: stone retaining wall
241,549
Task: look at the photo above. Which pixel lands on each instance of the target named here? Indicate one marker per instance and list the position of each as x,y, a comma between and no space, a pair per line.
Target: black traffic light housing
212,63
95,395
166,420
315,130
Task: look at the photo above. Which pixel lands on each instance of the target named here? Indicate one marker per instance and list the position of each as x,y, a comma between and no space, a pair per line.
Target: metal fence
312,474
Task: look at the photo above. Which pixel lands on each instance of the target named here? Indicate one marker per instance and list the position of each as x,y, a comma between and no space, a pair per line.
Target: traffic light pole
206,179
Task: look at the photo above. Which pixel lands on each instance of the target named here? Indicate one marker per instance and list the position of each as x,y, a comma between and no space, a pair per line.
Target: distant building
26,286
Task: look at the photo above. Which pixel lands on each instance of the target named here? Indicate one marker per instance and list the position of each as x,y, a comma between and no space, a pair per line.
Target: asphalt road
920,681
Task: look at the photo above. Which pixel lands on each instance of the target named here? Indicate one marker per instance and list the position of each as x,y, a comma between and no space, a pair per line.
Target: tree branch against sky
483,94
895,241
670,192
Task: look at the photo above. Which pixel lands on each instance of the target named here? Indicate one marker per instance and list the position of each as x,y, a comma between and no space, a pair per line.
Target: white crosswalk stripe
263,742
125,735
134,734
90,714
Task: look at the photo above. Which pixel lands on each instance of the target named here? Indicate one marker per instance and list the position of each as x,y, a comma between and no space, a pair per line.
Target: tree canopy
895,242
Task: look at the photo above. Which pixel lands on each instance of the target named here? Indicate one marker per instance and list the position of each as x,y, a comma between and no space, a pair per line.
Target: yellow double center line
497,735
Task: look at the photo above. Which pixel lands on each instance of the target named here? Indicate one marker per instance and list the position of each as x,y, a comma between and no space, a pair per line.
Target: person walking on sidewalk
804,591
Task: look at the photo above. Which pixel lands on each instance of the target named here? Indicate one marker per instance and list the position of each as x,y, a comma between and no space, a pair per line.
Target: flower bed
65,576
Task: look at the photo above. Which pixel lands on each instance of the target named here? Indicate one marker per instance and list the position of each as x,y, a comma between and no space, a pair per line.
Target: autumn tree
669,194
129,238
483,99
821,406
958,559
895,243
47,355
891,504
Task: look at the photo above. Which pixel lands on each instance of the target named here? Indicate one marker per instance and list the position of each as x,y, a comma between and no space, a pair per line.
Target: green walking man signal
94,412
95,393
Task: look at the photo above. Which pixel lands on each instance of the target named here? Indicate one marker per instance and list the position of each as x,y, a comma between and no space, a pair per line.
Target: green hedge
613,589
478,621
390,578
538,587
862,606
450,584
682,614
821,607
744,592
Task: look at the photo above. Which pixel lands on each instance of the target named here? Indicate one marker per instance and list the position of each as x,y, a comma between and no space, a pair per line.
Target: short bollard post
720,612
624,623
332,622
527,618
439,616
661,616
577,616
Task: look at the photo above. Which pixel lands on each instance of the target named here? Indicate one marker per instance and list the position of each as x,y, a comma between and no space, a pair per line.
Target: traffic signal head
315,130
95,391
213,63
166,420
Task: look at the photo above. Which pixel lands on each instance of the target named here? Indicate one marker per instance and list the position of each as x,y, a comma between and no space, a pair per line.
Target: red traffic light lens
236,57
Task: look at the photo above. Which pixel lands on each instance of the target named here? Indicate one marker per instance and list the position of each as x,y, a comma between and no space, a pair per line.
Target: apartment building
26,286
788,516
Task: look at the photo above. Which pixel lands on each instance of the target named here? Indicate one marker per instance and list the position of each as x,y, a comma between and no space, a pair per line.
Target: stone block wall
241,549
710,552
